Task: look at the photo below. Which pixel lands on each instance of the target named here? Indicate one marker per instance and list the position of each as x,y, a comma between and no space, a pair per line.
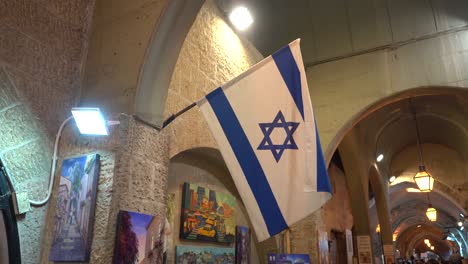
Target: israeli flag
265,128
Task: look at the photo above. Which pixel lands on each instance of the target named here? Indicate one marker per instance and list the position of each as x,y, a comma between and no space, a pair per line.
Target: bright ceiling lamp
90,121
432,247
241,18
431,213
380,157
423,179
460,223
426,241
395,235
377,229
392,179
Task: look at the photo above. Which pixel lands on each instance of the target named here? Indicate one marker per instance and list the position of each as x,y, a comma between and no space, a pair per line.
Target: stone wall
132,177
42,45
211,55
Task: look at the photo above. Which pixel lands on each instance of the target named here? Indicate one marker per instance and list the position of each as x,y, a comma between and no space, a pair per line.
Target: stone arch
369,109
381,204
208,168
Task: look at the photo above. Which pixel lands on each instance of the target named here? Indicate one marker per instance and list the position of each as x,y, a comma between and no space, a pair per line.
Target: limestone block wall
42,45
211,55
119,39
132,177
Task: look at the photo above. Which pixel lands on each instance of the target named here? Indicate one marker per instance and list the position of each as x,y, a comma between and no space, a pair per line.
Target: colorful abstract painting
74,210
242,245
212,255
207,215
139,239
288,259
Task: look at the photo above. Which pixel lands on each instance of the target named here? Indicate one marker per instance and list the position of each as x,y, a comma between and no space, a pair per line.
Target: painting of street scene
211,255
139,239
207,215
288,259
74,211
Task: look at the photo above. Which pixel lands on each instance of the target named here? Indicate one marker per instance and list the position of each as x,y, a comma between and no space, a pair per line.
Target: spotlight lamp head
90,121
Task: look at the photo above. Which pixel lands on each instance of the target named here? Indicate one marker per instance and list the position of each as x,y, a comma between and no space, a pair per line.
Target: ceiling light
424,180
240,17
379,157
462,216
432,247
395,235
419,226
377,229
460,223
413,190
90,121
426,241
461,229
392,179
431,213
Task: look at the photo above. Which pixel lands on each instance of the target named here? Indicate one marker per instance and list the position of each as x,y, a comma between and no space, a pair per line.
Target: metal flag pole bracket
174,116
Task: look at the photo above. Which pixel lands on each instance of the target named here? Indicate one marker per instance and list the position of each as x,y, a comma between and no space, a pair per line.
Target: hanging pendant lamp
431,213
423,179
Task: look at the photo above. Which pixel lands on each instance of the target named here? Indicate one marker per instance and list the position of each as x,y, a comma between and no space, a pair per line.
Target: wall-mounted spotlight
241,18
90,121
392,179
380,157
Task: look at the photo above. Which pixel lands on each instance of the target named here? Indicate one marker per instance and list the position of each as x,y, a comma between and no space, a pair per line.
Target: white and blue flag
265,128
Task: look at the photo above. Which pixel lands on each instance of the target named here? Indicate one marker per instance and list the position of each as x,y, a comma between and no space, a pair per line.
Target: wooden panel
411,19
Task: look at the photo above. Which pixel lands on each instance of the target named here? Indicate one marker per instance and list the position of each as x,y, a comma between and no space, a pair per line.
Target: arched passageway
387,129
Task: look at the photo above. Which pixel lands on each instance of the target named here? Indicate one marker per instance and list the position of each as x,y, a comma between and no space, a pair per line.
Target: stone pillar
356,181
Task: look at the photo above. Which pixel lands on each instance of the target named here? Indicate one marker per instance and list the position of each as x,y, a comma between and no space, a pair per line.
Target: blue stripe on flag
323,182
287,66
248,161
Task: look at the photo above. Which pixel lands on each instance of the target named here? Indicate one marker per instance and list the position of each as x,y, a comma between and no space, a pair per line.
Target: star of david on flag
264,125
289,143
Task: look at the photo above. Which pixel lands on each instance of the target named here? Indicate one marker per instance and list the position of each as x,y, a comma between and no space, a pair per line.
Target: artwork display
194,255
207,215
139,239
74,210
242,245
288,259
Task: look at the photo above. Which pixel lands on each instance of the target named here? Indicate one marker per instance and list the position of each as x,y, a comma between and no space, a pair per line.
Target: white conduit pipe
54,164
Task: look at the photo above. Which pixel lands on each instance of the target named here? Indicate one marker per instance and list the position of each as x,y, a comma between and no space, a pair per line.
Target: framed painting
207,215
139,239
242,245
74,210
288,258
186,254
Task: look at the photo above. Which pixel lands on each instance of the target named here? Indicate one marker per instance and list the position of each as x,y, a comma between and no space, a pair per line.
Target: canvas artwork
139,239
242,245
288,259
207,215
212,255
74,210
